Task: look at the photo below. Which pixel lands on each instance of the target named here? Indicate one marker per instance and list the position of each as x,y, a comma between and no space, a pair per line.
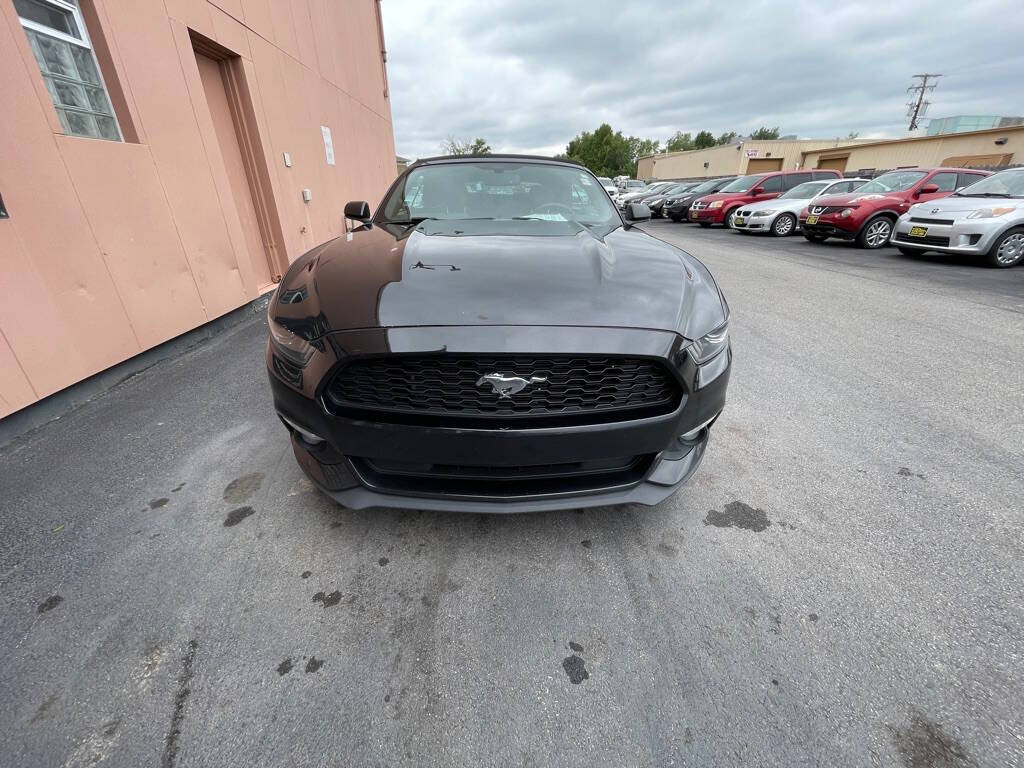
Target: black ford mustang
498,338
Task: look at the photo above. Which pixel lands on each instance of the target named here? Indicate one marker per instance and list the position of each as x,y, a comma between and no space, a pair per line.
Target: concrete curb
66,400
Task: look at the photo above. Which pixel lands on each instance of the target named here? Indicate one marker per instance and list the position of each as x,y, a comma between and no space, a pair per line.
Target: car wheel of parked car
875,233
783,225
730,215
814,237
1008,250
909,251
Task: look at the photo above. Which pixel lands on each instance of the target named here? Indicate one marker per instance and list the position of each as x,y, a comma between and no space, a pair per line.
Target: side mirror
757,191
358,210
928,189
637,212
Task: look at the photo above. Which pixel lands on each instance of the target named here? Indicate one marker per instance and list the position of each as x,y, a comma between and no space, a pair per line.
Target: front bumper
346,465
970,236
830,225
708,215
752,223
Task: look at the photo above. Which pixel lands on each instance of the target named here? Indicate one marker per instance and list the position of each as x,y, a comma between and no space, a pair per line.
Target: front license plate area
812,220
919,231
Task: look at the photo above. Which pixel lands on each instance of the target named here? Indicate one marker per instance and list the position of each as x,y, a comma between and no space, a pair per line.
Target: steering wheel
569,211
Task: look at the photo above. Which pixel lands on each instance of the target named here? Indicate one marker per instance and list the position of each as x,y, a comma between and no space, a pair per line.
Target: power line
916,107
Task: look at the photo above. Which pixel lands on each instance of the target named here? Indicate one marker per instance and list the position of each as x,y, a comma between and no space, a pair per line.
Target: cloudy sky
528,75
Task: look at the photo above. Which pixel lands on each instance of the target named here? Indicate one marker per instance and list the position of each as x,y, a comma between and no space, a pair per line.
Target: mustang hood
516,272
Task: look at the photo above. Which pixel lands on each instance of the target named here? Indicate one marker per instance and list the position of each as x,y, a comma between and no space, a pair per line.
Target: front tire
784,225
875,233
729,216
1008,250
676,219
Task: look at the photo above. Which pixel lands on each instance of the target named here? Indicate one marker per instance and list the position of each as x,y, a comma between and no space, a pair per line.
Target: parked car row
949,210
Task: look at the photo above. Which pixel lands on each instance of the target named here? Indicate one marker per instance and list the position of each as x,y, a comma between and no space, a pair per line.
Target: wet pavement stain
175,490
285,667
314,664
908,472
575,647
813,616
306,574
575,668
329,601
736,514
235,516
44,708
923,744
667,550
170,754
49,603
383,561
242,488
157,503
587,544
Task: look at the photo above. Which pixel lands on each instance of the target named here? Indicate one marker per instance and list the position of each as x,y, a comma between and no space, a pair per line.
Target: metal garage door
764,164
835,163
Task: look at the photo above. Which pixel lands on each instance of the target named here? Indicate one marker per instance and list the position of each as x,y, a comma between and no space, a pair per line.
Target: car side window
967,179
945,180
772,184
841,187
791,180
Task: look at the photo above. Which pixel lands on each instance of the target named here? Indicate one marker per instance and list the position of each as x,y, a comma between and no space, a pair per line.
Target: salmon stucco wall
114,247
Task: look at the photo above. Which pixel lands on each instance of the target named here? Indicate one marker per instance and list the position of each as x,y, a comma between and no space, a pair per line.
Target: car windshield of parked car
498,190
605,181
897,181
635,184
707,186
742,184
677,189
804,191
1005,184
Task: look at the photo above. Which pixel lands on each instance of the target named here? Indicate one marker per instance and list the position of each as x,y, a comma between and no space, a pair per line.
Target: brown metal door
764,164
834,163
230,150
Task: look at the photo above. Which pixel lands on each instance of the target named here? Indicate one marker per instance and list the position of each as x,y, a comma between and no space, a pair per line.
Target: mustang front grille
445,387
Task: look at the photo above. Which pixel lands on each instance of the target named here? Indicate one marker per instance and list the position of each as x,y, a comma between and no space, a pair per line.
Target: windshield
677,189
635,184
1005,184
707,186
498,190
742,184
897,181
804,191
605,181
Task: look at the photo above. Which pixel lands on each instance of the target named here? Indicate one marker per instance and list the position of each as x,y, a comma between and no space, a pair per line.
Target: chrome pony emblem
506,385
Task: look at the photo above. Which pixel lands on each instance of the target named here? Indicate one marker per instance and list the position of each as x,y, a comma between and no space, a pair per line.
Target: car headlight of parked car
710,345
764,213
289,345
846,213
991,213
716,204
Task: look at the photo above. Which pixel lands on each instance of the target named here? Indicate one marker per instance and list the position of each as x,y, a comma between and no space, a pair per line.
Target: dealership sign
751,153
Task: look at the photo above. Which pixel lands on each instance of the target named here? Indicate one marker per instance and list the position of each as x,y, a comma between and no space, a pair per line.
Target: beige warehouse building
162,162
993,147
736,159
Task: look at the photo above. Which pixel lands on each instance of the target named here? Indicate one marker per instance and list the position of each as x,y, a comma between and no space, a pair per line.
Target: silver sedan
781,215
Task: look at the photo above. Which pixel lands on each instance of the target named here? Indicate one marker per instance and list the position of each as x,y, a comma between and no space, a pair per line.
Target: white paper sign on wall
750,153
328,144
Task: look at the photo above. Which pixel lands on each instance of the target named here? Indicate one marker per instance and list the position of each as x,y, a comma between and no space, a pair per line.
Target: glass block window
60,43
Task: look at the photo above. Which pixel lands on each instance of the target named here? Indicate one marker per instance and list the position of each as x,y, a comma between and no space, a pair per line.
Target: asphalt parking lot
840,584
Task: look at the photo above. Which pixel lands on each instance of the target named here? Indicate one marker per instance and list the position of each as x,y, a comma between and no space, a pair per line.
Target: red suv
869,214
720,207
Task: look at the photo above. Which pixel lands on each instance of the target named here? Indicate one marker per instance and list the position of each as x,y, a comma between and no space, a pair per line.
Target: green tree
726,138
679,142
703,140
643,147
764,132
603,151
454,146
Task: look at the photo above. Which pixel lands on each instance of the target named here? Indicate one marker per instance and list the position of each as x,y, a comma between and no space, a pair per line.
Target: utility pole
917,107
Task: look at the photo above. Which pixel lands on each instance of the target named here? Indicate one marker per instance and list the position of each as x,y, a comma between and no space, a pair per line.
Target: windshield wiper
984,194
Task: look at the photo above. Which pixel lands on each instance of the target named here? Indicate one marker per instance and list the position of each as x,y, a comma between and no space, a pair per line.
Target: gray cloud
529,75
